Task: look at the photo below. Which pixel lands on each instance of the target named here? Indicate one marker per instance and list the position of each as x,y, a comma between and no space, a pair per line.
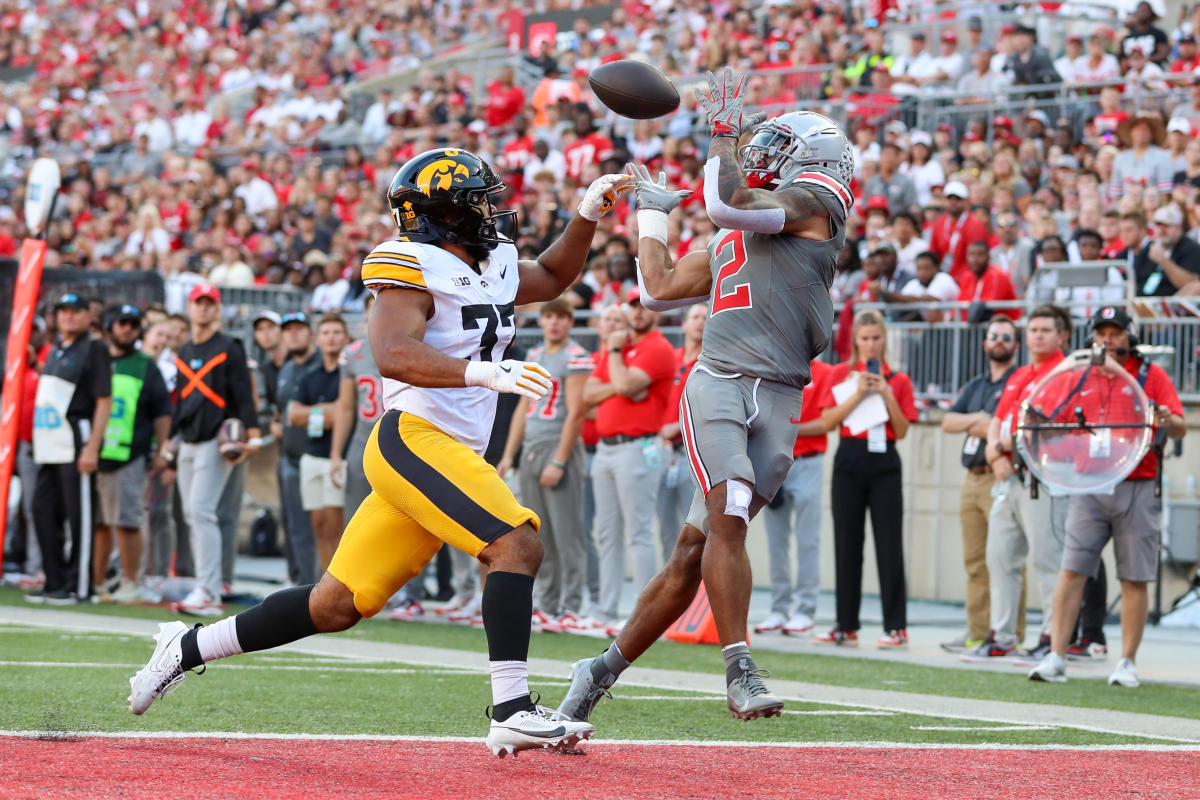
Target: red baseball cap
972,136
203,290
949,36
1003,121
877,201
634,296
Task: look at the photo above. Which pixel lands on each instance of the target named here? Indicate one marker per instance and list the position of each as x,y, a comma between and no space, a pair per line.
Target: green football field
68,671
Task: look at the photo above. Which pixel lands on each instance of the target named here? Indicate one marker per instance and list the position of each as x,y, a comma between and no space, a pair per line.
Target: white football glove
511,376
602,195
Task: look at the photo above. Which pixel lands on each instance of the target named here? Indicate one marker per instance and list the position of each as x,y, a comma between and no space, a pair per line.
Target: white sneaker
408,611
614,630
772,624
162,673
1051,669
532,730
126,592
199,603
1125,675
800,624
467,612
587,626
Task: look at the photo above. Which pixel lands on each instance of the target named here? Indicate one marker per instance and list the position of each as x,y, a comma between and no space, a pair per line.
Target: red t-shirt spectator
671,409
591,149
810,409
957,234
619,415
901,386
1019,385
504,103
516,154
993,285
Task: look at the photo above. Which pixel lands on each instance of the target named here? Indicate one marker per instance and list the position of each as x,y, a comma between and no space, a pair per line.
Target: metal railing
941,357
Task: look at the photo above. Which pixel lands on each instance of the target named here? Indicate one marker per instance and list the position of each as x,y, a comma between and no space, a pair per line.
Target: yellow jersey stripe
400,258
392,273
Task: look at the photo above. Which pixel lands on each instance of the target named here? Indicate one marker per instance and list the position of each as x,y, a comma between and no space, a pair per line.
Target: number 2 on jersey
733,248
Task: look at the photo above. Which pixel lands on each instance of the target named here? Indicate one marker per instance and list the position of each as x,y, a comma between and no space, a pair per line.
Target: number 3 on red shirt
732,247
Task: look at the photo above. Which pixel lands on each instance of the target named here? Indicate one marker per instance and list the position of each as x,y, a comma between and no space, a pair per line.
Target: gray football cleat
749,697
533,730
163,673
584,692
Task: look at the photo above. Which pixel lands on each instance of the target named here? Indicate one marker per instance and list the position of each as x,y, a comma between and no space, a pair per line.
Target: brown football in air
634,89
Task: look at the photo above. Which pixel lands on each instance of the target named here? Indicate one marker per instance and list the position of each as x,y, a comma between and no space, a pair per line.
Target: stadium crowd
160,176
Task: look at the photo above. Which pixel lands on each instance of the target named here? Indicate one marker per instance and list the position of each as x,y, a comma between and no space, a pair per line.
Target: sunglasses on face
999,337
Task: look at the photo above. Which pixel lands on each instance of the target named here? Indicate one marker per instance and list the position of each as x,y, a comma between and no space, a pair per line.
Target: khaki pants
976,505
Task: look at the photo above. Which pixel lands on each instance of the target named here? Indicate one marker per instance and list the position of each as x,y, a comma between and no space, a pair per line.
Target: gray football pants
303,566
561,578
1018,524
798,517
626,490
674,499
202,477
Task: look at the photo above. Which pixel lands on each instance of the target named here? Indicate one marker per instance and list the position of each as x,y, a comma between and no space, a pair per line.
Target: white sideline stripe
285,667
363,737
983,728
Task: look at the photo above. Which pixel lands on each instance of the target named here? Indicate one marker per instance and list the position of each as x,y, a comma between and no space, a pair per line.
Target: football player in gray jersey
780,202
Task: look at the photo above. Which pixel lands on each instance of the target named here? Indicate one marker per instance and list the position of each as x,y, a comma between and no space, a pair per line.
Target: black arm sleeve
239,383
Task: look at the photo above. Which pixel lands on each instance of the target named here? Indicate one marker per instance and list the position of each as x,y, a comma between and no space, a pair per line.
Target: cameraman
213,385
1131,516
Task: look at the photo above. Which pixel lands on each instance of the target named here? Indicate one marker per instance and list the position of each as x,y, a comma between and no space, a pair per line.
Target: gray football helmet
791,143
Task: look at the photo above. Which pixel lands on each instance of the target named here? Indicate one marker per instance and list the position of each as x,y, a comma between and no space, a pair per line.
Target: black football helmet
446,194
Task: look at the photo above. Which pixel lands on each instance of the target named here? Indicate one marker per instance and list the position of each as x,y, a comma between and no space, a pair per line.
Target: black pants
57,502
1094,611
862,481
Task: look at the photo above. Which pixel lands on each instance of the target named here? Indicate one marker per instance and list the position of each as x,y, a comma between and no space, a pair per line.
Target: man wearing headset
1131,516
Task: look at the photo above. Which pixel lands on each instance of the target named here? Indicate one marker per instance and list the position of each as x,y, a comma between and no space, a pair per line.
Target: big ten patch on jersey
567,361
358,363
473,310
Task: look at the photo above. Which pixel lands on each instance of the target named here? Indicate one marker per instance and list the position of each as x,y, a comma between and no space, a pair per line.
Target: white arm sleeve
759,220
662,305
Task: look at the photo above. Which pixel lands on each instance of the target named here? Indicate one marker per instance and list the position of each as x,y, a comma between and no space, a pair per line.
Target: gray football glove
654,195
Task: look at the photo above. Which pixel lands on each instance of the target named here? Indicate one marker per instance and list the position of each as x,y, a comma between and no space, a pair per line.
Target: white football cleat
772,624
163,673
534,730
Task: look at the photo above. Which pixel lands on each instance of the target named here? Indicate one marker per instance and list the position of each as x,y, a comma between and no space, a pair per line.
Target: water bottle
316,422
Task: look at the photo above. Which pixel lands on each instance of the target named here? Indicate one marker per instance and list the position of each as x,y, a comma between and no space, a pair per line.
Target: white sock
510,680
219,640
743,643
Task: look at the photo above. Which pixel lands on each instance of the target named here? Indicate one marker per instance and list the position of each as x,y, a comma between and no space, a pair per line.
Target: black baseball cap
127,311
1111,315
295,316
72,300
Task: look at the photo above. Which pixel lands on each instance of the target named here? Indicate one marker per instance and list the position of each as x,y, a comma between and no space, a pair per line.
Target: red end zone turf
262,769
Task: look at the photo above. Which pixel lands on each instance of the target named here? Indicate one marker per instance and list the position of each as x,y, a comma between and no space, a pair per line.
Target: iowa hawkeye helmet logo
442,174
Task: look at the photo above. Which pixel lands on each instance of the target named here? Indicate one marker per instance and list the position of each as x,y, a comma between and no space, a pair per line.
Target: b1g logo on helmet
442,174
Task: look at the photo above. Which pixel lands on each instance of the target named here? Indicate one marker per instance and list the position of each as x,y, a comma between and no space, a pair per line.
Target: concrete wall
932,536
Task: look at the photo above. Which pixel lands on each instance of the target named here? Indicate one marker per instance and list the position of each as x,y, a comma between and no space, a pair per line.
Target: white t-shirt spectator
1107,70
258,195
942,287
191,128
238,274
375,125
157,131
329,296
925,177
554,162
156,241
906,256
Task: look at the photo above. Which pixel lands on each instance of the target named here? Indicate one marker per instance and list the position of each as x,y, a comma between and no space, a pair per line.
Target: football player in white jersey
445,291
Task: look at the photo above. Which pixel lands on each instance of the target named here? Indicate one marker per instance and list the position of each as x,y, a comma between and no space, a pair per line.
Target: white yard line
1096,720
314,737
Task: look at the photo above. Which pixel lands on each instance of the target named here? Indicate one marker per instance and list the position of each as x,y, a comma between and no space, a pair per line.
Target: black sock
190,655
507,606
506,709
281,618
